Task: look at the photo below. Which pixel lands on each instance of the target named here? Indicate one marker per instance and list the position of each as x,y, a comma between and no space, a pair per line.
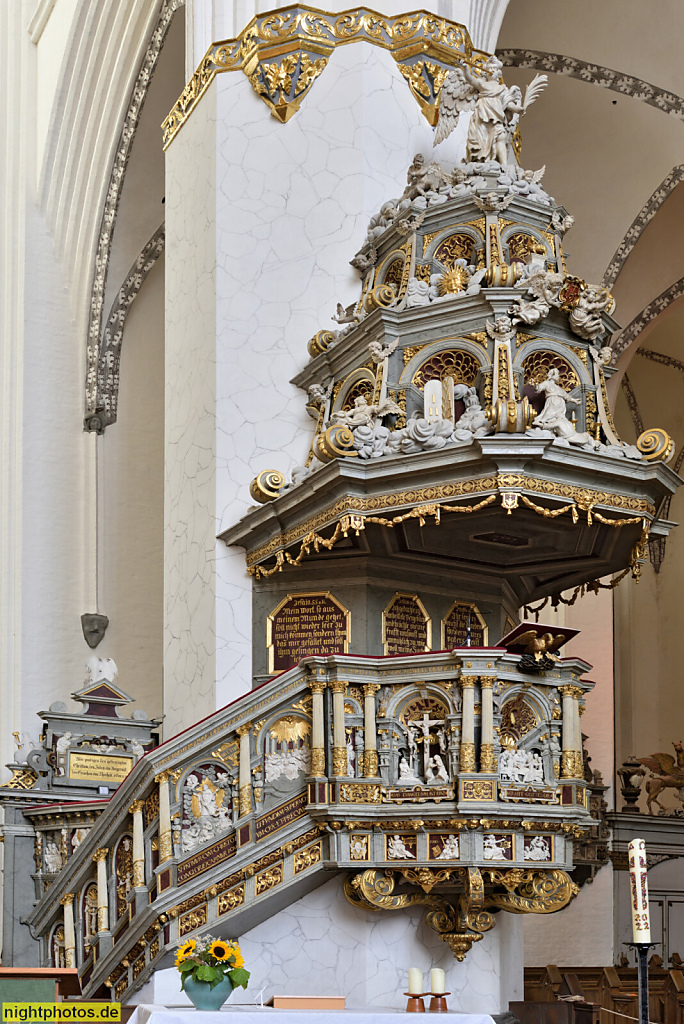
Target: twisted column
571,757
100,858
136,809
245,775
487,755
339,766
370,756
67,902
165,845
317,686
467,753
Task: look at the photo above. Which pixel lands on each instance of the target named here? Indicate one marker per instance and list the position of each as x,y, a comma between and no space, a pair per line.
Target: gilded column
165,845
245,776
370,756
487,755
339,766
136,809
317,686
67,902
467,754
100,858
571,757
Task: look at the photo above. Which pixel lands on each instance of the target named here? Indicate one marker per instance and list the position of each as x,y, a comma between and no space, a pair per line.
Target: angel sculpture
494,108
541,646
669,776
493,203
380,350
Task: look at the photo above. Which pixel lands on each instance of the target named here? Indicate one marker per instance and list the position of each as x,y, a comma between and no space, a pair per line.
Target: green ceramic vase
204,997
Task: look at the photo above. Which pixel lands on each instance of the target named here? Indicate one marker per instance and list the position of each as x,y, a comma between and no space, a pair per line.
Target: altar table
245,1014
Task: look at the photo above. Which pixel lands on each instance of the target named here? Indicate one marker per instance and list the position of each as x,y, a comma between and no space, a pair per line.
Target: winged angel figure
669,775
495,109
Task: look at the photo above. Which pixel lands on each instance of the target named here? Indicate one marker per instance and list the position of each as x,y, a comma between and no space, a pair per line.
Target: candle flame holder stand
438,1003
642,949
415,1002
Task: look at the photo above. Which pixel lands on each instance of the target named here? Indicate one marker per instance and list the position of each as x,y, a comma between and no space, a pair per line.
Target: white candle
641,923
437,981
415,981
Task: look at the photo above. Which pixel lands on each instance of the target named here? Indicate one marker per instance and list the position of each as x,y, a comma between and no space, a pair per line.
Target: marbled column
317,686
100,858
245,776
467,753
67,902
571,758
487,755
370,756
136,809
165,844
339,766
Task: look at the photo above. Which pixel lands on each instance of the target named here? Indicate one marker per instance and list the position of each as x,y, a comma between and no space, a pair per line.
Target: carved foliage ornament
463,922
283,53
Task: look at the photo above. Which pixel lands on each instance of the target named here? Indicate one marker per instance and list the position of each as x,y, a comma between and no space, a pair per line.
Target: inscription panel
281,816
99,767
206,859
406,626
463,626
306,624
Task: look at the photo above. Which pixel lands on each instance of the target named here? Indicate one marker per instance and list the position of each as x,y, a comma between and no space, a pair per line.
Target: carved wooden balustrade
387,769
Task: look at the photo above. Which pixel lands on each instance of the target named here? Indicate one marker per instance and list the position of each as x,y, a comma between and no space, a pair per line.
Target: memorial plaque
463,626
305,624
406,626
99,767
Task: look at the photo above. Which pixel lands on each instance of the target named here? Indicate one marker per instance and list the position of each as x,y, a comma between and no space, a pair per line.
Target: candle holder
438,1003
415,1002
642,949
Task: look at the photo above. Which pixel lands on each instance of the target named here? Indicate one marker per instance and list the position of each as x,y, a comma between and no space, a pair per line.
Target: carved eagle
540,646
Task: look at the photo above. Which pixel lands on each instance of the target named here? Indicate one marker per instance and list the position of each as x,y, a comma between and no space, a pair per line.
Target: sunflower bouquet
212,960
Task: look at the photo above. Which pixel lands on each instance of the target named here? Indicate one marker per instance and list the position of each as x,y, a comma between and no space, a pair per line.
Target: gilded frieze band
283,52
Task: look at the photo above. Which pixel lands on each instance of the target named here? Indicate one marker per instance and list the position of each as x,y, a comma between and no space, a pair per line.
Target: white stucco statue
364,414
396,849
493,848
539,849
495,108
450,849
99,669
553,416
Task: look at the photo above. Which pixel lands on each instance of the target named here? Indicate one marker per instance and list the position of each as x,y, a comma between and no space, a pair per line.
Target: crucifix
423,726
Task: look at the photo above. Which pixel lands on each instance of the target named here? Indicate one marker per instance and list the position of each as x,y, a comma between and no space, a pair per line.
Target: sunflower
186,950
220,950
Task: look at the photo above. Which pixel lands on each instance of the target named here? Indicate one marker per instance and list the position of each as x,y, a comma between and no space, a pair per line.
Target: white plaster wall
321,945
131,503
190,425
51,46
579,936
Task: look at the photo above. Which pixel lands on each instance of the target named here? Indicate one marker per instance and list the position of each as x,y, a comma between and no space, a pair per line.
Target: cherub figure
364,414
493,107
